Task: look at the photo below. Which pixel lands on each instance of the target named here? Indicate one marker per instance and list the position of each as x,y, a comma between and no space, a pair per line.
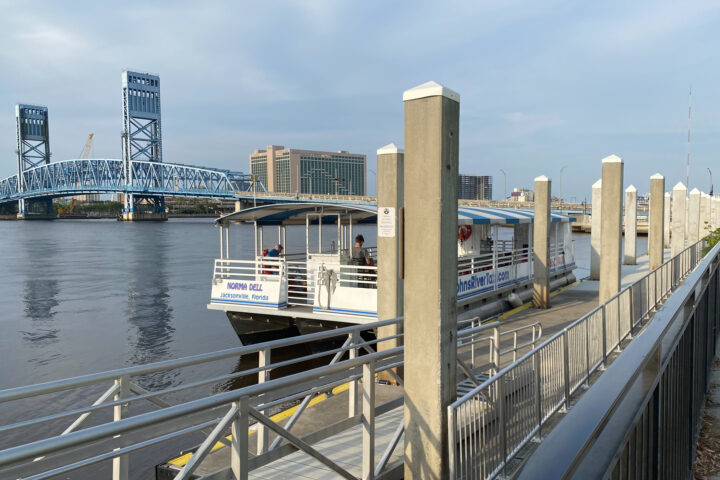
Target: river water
83,296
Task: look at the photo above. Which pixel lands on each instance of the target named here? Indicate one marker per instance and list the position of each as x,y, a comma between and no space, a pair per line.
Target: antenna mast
687,164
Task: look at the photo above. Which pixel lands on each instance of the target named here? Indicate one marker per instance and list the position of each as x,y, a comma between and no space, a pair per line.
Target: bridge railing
490,424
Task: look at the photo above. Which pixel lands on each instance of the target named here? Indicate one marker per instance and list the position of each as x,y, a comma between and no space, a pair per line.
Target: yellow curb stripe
184,459
527,305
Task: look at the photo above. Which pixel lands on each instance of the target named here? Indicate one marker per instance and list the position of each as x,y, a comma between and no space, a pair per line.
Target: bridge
140,175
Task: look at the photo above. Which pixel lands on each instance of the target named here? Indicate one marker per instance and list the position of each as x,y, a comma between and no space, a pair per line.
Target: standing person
359,254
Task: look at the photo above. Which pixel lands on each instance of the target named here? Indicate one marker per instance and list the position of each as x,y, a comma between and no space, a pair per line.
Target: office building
522,195
289,170
474,187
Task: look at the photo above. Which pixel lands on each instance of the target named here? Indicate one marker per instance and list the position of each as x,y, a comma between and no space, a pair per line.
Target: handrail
553,371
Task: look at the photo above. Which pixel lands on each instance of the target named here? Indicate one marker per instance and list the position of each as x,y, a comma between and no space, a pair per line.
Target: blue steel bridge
143,178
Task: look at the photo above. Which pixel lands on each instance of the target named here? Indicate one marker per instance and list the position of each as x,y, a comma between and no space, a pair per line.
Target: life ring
464,232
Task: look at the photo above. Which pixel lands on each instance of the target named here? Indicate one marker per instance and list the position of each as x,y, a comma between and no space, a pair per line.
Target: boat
319,287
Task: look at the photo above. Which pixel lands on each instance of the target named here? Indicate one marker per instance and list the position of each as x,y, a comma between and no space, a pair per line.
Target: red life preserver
464,232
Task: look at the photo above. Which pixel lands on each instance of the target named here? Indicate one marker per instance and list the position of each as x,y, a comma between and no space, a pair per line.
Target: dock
567,305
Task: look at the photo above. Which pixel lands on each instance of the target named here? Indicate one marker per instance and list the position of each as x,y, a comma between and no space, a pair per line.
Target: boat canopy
295,214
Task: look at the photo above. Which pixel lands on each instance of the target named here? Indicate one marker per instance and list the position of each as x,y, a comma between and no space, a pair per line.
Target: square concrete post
679,208
611,228
432,118
694,216
656,221
703,215
666,221
541,243
390,198
715,213
630,257
595,228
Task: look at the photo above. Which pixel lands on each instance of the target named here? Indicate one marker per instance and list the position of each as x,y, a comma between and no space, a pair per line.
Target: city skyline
542,85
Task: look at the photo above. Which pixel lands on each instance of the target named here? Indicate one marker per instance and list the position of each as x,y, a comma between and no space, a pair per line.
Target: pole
504,184
560,186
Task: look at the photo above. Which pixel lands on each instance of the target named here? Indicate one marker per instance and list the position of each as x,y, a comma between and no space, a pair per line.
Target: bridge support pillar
679,209
611,228
432,117
541,243
36,209
390,161
630,257
694,216
595,228
666,214
143,209
656,221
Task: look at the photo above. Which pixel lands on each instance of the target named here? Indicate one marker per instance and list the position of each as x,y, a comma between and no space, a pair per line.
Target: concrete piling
611,227
596,226
541,243
630,256
432,114
666,221
390,200
694,216
679,209
656,221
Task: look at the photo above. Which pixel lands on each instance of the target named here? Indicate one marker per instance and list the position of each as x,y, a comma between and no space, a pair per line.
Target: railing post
352,392
121,464
566,368
538,393
587,351
496,350
239,446
263,439
604,337
500,382
368,421
631,320
515,345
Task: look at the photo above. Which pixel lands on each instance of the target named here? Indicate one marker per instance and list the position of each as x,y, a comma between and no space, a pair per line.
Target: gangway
489,424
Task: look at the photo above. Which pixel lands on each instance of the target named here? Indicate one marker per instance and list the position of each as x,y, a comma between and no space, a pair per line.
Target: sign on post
386,222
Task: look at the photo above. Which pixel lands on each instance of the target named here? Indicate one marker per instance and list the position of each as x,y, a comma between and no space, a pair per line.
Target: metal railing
490,424
67,443
642,418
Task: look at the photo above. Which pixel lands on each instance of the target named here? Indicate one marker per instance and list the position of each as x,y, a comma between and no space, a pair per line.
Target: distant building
522,195
289,170
474,187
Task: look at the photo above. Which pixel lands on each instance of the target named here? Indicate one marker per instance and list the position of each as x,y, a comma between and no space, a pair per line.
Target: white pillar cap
694,191
667,194
680,186
542,178
631,189
430,89
388,149
657,176
597,184
612,159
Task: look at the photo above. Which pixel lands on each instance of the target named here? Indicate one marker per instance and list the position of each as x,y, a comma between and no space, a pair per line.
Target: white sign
386,222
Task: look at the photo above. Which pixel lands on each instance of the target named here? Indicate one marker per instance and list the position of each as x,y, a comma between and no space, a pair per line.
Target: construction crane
88,147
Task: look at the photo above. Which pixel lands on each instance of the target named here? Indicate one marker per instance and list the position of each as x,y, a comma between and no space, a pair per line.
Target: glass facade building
309,171
474,187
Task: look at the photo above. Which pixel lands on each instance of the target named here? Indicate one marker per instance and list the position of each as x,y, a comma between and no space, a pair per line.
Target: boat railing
300,285
358,276
266,269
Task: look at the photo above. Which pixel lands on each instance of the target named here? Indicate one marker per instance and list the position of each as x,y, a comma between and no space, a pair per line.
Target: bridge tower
33,150
141,140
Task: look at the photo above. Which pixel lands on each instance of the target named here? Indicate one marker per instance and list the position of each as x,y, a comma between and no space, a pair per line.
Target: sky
543,85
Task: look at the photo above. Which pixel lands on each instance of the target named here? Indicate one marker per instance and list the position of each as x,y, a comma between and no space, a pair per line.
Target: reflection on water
148,308
40,297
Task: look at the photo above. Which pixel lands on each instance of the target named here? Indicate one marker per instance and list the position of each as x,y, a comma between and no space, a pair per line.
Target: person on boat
359,254
275,252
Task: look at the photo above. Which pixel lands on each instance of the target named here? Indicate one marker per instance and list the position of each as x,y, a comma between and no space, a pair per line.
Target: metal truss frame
148,180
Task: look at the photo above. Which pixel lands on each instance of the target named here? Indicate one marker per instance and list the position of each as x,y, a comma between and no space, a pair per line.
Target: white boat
320,287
